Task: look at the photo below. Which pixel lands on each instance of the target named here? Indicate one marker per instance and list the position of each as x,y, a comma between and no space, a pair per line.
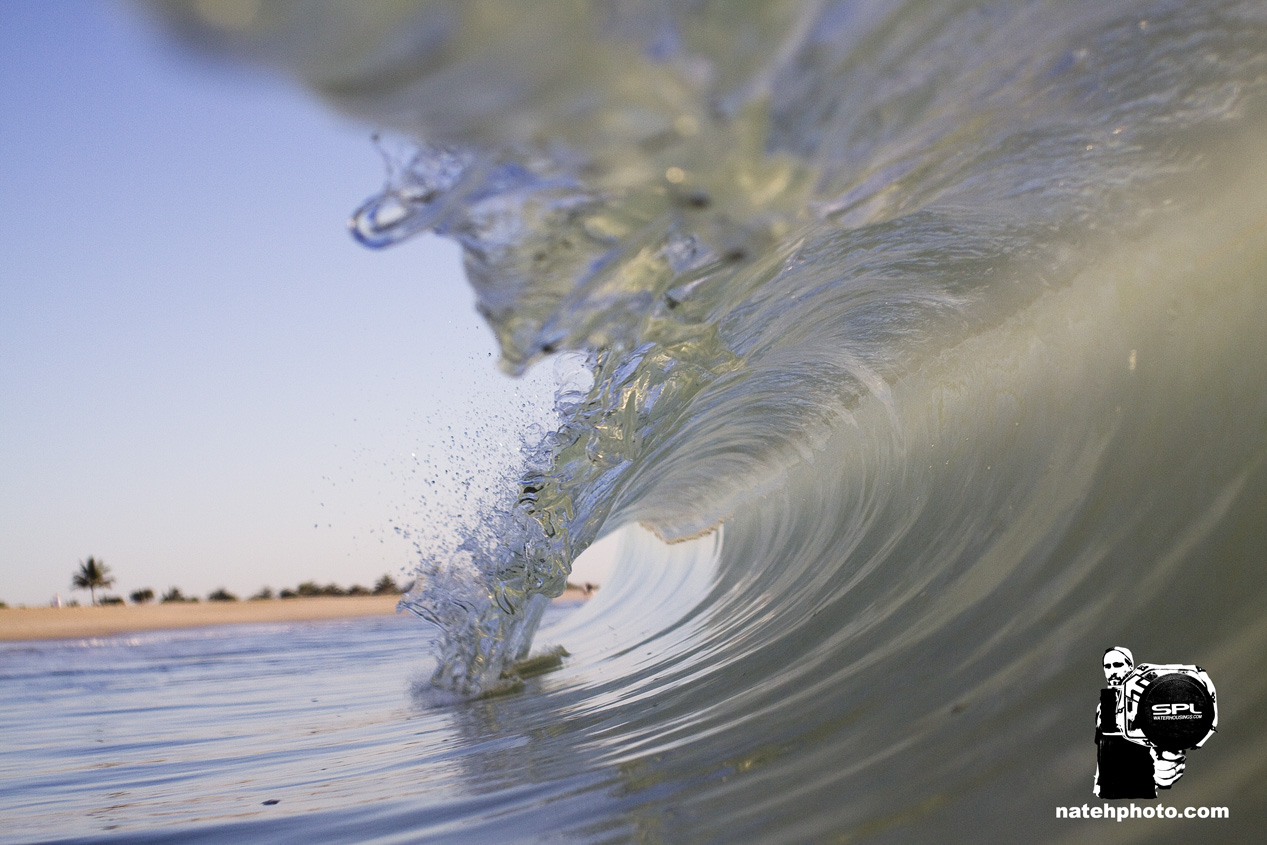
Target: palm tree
92,574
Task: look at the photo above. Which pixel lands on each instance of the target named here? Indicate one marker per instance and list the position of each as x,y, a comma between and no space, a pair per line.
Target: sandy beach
50,623
59,623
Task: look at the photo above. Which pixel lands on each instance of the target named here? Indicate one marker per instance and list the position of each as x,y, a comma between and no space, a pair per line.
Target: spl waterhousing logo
1149,717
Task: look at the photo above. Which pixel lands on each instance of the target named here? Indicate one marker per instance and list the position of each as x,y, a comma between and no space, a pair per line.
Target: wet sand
59,623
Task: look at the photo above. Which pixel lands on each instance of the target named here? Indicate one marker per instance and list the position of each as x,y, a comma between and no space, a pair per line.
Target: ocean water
931,339
274,732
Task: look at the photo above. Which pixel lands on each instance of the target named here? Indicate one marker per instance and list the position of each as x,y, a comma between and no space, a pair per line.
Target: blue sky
204,380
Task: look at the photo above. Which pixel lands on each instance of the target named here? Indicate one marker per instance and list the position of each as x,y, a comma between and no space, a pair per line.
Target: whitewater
922,358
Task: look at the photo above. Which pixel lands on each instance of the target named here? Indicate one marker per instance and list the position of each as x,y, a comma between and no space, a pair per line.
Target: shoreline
68,623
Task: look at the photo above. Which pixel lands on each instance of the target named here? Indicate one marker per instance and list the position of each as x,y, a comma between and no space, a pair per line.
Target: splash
483,578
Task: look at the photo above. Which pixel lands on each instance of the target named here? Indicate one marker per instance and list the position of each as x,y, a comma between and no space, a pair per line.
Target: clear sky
204,381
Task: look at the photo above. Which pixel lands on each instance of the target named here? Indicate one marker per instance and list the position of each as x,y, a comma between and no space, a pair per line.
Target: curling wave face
951,314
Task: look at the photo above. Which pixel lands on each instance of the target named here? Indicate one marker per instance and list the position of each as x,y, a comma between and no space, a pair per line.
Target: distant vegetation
92,574
385,586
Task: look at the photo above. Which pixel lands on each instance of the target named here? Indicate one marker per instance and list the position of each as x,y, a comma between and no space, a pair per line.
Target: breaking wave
931,333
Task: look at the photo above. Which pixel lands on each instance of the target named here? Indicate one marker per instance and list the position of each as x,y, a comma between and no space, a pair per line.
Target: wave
931,334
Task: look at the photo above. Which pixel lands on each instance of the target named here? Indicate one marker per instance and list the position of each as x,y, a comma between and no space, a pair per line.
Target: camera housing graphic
1168,707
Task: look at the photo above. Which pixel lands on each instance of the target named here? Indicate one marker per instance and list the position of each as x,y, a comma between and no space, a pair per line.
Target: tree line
93,575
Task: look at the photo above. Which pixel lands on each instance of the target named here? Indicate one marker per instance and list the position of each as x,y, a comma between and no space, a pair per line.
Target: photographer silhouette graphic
1148,717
